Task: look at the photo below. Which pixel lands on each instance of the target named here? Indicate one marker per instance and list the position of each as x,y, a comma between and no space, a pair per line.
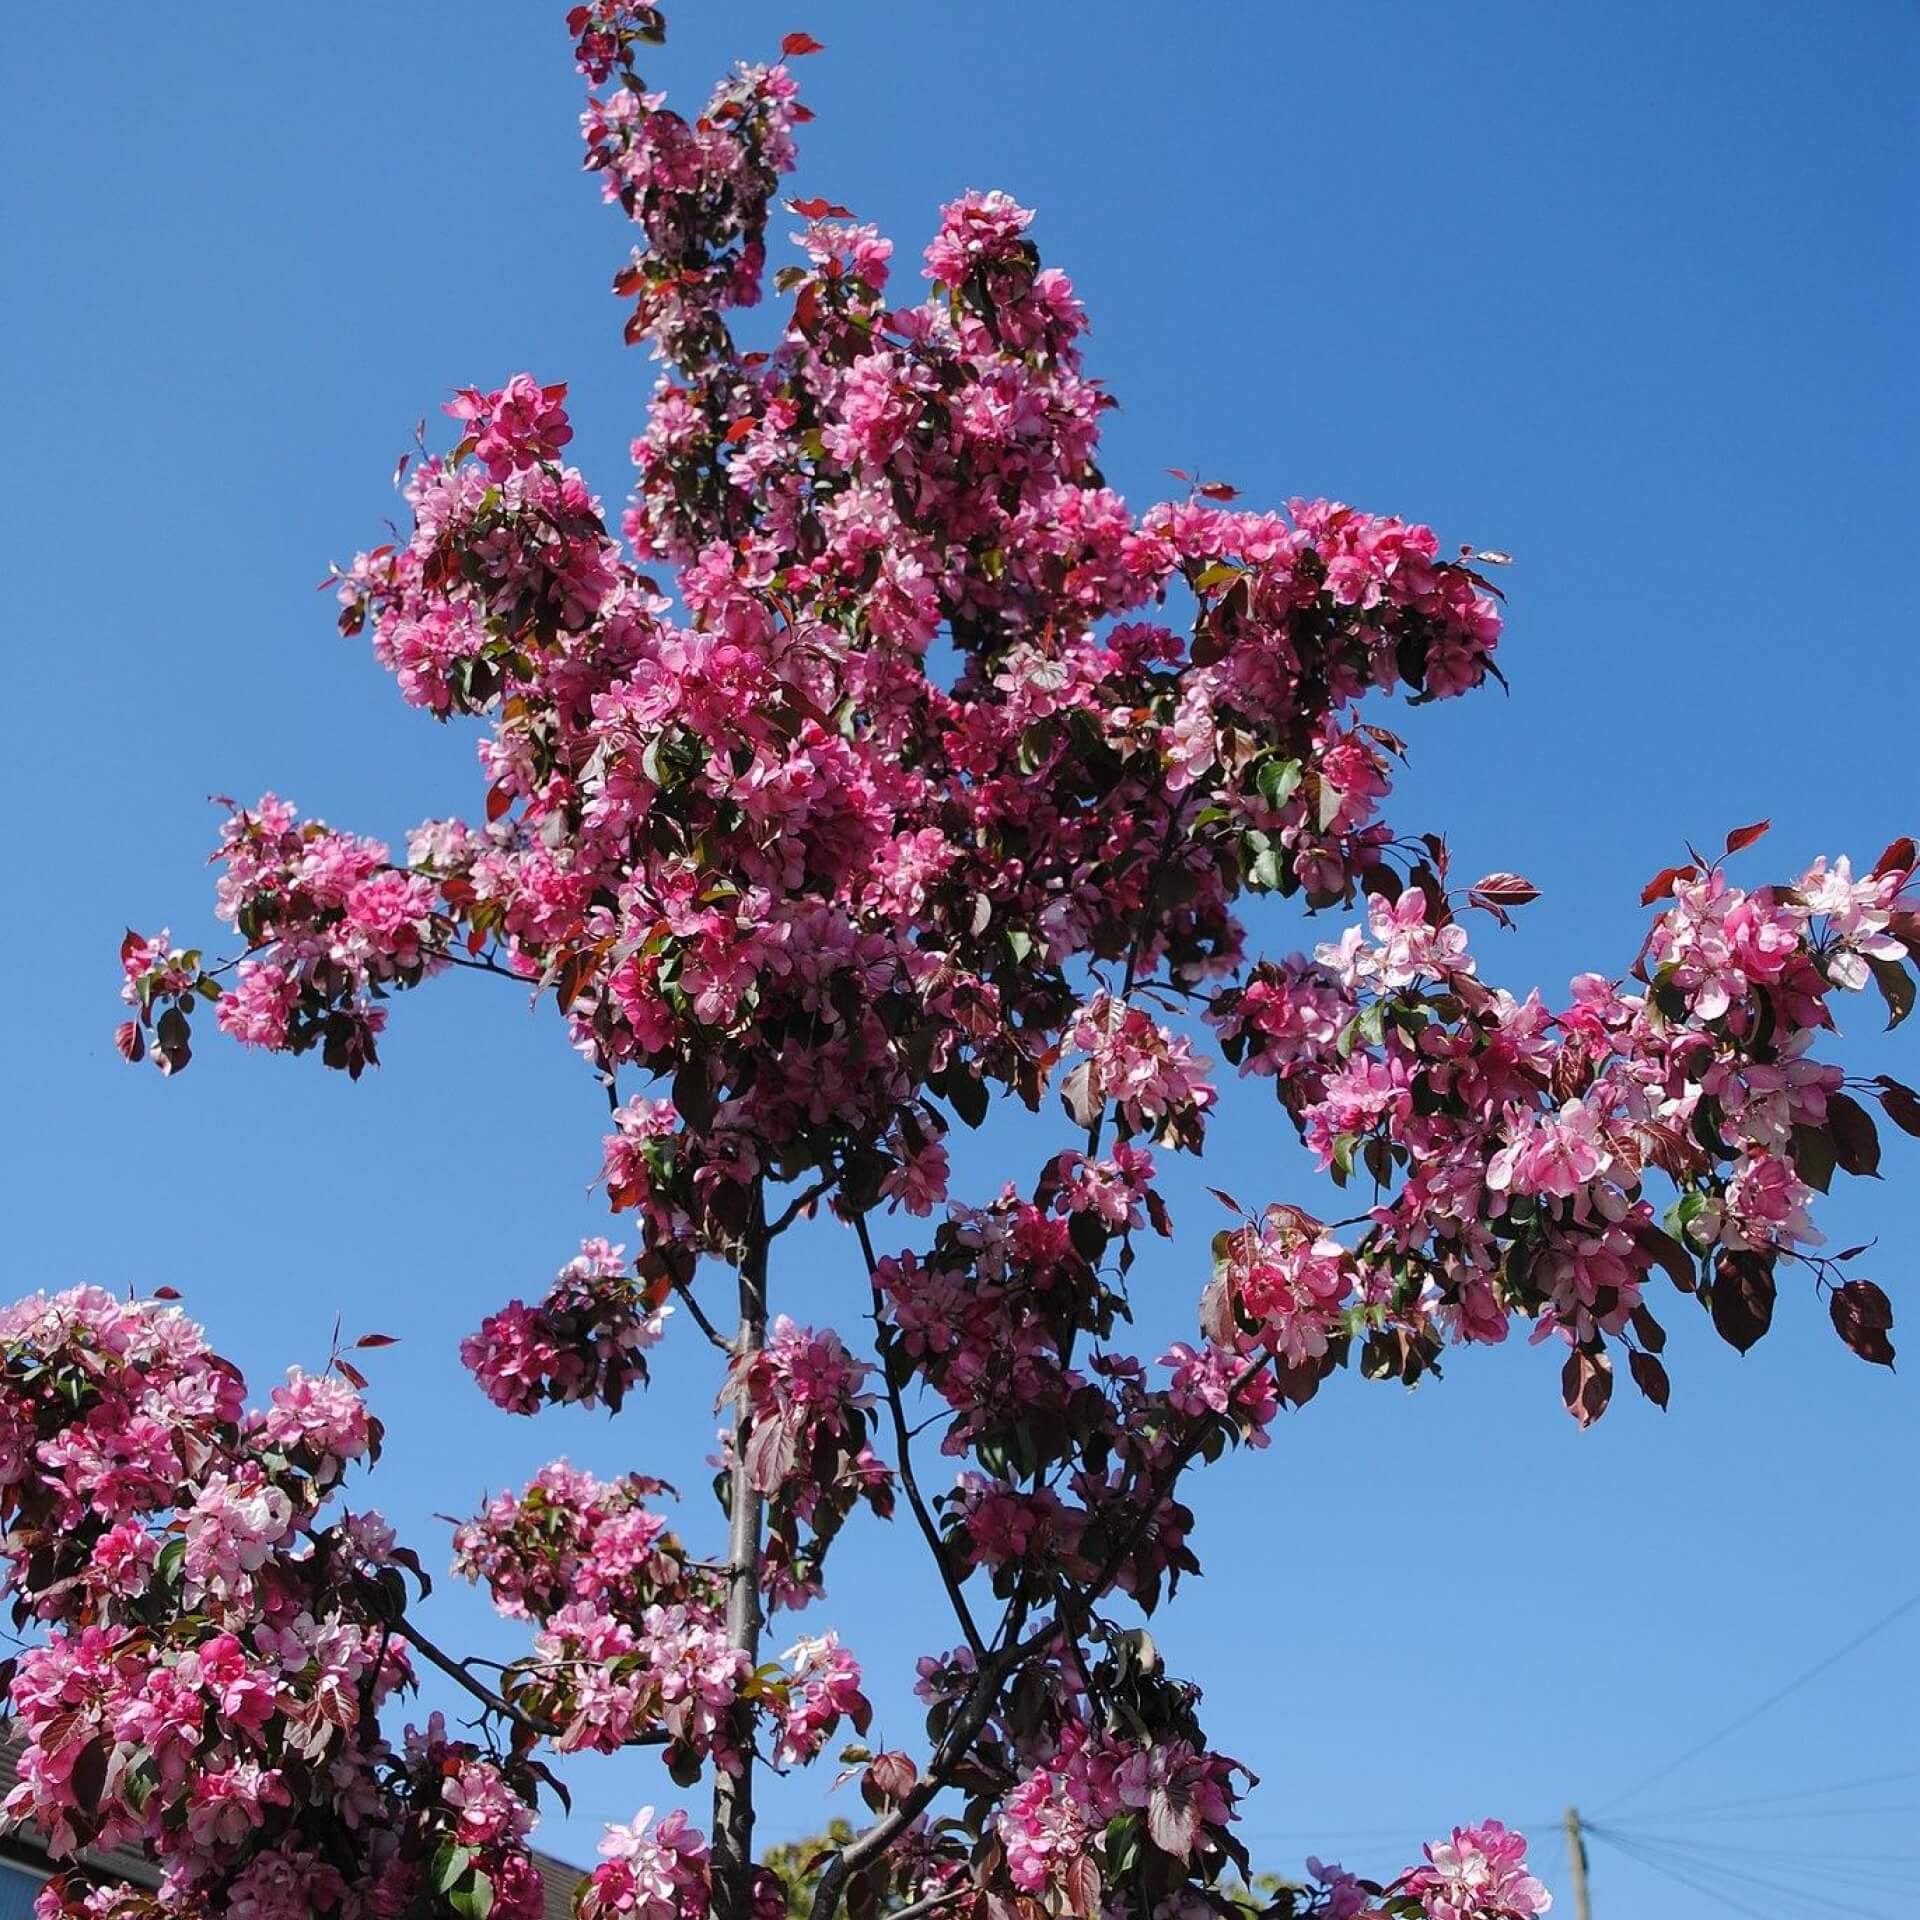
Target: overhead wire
1878,1871
1793,1793
1738,1888
1772,1700
1799,1813
1820,1897
1686,1880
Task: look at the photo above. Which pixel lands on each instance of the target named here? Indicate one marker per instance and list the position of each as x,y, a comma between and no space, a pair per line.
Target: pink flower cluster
1149,1074
585,1342
607,1684
631,1642
519,426
823,1690
1480,1873
658,1875
700,193
1521,1139
1058,1825
567,1536
805,1410
218,1647
988,1318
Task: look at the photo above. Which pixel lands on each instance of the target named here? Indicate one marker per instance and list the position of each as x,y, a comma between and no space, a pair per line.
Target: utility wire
1821,1897
1772,1799
1869,1870
1734,1888
1685,1880
1772,1700
1771,1814
1885,1862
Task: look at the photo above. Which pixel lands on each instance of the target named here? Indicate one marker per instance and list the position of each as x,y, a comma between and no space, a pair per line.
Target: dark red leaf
1862,1313
1902,1104
1650,1377
88,1779
166,1293
1586,1384
739,430
352,1374
1662,883
1856,1141
499,799
131,1042
1742,1300
1228,1201
1650,1333
1899,856
1219,490
1509,889
795,45
376,1340
1671,1255
1746,836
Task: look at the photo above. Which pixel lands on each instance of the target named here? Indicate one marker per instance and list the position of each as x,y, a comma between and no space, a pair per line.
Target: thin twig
1138,948
475,965
800,1203
933,1902
698,1315
903,1443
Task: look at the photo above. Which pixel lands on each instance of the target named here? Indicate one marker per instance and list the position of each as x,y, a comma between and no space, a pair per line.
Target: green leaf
1278,779
474,1902
450,1864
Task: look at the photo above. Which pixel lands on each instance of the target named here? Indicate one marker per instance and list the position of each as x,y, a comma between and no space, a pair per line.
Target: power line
1772,1700
1673,1873
1772,1799
1886,1862
1771,1814
1821,1897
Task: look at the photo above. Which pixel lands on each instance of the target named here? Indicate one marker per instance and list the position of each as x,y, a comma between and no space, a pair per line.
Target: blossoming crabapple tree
941,779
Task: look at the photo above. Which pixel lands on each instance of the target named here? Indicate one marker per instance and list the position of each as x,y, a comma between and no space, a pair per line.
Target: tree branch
903,1446
733,1792
460,1673
799,1205
1138,948
699,1316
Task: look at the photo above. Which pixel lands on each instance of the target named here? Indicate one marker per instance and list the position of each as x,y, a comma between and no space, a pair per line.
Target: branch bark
733,1792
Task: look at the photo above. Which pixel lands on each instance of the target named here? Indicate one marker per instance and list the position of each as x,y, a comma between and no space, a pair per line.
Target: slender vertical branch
903,1449
1143,927
733,1792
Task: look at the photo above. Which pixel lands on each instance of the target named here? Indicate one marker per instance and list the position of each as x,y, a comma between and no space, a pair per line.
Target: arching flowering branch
940,777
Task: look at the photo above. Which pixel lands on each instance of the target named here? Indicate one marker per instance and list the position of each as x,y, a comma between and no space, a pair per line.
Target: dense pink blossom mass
882,762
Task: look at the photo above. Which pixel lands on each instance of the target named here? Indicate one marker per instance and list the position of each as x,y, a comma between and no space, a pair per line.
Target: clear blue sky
1627,290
